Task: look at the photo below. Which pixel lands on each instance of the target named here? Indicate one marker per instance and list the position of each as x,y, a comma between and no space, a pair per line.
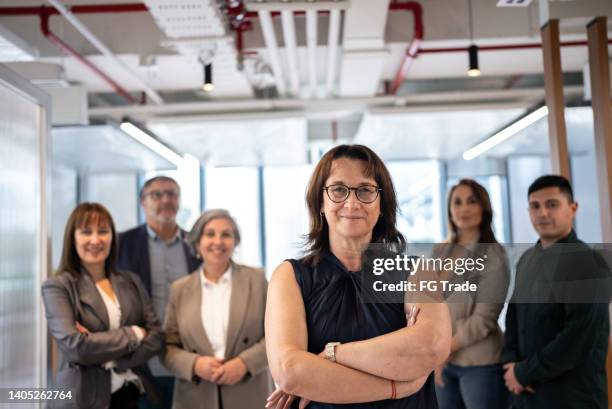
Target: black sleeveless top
334,312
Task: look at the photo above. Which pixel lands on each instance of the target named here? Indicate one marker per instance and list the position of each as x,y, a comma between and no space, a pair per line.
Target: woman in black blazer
102,319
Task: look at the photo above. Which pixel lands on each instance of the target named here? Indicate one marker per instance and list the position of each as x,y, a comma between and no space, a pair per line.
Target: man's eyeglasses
158,194
339,193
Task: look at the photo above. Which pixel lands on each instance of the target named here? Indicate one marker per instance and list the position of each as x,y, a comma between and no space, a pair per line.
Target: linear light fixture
151,143
505,133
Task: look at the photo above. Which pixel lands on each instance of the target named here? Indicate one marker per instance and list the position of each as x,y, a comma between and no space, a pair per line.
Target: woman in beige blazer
214,324
473,377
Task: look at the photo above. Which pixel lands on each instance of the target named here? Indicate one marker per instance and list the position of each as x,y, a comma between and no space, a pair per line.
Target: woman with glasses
102,319
324,343
214,324
473,377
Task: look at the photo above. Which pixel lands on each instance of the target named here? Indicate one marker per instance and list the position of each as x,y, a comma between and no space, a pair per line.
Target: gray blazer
68,299
186,339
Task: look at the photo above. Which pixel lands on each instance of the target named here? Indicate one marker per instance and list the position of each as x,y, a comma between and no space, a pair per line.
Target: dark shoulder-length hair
482,197
384,231
84,215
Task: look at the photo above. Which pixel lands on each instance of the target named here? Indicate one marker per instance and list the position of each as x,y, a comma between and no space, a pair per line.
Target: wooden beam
599,67
553,86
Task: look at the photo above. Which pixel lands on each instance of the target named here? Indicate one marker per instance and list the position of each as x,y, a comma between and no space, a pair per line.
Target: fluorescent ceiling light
13,48
505,133
151,143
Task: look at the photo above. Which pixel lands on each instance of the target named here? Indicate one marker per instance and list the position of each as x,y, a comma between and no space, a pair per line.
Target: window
417,184
286,215
236,189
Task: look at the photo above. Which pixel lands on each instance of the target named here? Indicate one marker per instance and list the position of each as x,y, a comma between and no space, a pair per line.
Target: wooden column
599,67
553,86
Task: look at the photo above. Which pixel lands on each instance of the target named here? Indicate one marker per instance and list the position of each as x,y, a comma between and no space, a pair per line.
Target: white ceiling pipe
265,19
104,50
290,48
248,105
311,42
299,5
332,50
430,102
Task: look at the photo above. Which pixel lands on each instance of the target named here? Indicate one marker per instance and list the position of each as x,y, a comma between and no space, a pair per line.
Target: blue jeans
166,389
473,387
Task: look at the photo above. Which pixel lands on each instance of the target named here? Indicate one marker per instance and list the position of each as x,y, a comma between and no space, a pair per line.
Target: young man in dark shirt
556,338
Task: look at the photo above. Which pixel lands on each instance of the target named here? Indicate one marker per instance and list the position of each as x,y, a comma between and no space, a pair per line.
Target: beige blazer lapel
192,306
239,300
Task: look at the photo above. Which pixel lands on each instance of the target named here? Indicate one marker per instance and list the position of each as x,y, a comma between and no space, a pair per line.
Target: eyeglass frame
171,194
326,188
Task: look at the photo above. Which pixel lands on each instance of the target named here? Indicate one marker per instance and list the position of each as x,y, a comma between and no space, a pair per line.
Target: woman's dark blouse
334,312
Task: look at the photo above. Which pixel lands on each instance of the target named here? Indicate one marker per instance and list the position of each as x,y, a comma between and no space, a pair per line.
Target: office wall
63,201
117,191
584,183
522,171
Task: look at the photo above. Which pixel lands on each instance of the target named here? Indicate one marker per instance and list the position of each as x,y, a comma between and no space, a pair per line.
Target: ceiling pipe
501,47
44,13
413,48
291,49
44,27
81,28
271,45
300,6
311,44
92,8
332,51
241,21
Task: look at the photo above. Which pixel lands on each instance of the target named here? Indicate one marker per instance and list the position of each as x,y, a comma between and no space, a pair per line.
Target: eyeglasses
158,194
339,193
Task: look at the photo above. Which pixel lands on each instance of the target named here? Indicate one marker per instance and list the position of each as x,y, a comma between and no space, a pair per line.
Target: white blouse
114,319
215,310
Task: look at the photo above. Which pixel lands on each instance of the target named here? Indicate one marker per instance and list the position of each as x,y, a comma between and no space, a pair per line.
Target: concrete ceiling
372,44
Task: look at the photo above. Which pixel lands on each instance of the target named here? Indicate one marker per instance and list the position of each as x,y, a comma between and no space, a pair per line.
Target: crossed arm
92,348
407,355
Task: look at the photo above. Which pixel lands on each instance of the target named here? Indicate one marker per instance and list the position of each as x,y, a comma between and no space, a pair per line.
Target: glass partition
24,256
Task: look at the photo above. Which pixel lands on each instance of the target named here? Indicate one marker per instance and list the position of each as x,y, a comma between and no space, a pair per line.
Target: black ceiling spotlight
208,86
474,70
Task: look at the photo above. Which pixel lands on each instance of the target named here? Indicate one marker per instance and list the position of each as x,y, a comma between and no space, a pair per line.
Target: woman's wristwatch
330,351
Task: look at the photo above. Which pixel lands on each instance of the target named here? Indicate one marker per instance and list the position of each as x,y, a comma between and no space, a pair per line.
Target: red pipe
413,48
92,8
45,13
502,47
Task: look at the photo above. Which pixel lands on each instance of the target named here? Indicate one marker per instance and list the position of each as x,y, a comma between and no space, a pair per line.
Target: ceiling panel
254,142
436,135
